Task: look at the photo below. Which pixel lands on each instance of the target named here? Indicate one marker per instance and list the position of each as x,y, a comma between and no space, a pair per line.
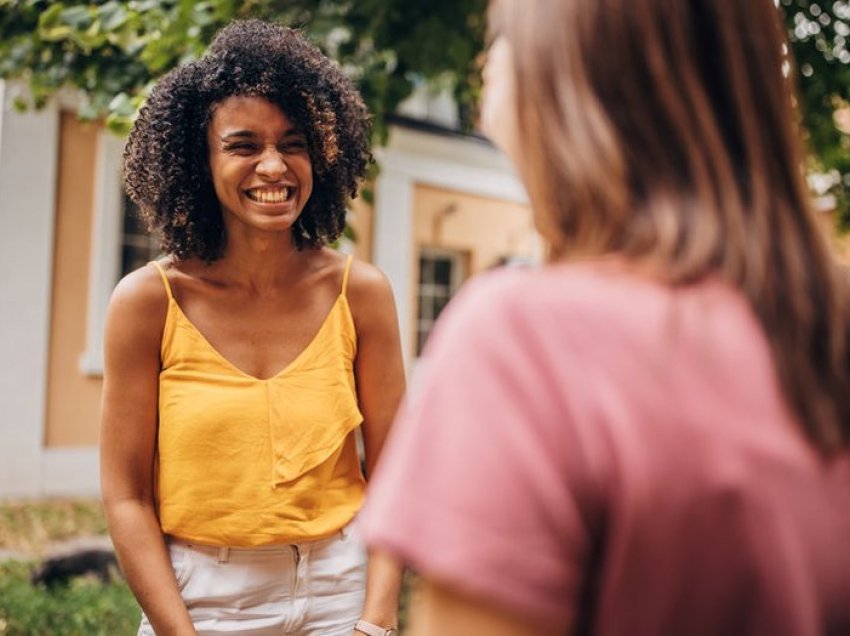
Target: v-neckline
245,374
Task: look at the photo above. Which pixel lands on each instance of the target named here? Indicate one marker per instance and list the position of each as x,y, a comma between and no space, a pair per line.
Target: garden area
85,605
33,531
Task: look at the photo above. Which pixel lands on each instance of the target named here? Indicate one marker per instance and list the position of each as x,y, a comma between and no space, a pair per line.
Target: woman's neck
261,261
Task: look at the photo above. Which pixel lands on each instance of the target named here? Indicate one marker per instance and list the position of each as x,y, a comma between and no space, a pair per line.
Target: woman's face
259,163
498,108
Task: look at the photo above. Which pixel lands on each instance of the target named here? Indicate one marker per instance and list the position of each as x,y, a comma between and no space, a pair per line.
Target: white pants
315,588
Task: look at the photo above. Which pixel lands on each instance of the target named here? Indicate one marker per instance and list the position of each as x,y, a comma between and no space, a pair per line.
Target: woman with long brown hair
649,434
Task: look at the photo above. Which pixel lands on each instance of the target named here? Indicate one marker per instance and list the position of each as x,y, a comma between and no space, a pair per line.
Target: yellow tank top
249,462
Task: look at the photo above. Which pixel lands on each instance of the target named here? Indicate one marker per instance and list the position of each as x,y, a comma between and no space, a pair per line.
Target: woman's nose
271,164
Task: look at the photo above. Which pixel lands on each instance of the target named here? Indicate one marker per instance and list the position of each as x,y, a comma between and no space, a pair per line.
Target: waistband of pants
221,551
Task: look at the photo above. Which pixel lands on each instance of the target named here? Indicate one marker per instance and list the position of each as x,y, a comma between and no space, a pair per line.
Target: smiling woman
239,367
259,162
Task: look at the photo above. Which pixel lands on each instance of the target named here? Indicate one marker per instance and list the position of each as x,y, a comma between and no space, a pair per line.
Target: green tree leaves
820,41
113,50
110,51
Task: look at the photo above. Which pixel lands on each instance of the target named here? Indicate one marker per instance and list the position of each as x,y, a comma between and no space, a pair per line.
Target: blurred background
442,203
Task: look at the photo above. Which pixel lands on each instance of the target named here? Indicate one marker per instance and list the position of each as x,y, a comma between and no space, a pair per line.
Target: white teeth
278,195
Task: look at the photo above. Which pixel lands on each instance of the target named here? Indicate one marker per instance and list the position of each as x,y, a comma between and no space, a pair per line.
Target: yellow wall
73,399
484,229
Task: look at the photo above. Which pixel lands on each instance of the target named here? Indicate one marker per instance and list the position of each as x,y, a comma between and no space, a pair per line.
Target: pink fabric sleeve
473,490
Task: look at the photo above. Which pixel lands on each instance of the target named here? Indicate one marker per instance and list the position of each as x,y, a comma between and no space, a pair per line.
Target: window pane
440,303
443,271
439,270
426,271
132,223
132,259
137,247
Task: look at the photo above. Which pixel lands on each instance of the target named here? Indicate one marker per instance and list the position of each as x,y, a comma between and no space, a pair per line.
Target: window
119,245
137,246
441,273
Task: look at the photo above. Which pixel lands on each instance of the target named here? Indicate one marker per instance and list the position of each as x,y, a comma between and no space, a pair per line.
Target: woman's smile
271,195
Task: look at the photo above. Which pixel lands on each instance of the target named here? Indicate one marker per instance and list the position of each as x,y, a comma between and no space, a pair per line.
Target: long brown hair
665,131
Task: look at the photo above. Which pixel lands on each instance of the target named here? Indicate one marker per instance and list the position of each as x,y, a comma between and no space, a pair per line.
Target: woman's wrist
381,606
382,591
385,619
374,629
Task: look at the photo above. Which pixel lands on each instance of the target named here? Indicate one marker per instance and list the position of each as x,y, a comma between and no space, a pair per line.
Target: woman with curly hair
239,367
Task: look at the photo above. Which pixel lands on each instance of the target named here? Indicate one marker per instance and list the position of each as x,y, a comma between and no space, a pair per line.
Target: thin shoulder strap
345,274
164,279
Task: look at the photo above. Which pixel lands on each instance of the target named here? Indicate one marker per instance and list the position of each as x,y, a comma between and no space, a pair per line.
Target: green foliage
423,41
112,51
83,607
820,34
105,49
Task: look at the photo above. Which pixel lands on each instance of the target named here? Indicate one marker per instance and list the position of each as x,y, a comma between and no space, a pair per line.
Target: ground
32,531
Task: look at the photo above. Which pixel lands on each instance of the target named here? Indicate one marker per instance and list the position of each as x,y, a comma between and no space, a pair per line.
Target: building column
28,156
393,242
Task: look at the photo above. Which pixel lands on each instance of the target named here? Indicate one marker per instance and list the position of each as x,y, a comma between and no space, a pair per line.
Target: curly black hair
166,160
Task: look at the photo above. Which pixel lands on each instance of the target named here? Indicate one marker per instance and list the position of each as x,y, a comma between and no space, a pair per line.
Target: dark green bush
85,607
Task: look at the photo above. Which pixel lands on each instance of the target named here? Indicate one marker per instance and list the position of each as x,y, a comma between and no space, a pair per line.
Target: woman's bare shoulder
143,288
139,303
364,279
368,282
370,297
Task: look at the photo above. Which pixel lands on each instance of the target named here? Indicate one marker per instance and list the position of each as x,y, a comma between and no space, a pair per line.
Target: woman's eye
296,145
240,149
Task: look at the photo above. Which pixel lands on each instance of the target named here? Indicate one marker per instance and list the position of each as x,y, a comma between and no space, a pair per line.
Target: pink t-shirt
593,447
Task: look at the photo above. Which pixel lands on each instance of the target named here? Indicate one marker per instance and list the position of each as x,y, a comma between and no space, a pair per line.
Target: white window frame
457,259
106,247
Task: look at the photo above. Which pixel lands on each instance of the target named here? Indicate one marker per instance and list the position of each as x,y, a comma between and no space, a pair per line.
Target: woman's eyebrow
238,133
250,133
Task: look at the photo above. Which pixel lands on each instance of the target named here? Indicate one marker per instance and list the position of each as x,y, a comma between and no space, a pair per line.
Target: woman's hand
134,327
379,372
442,611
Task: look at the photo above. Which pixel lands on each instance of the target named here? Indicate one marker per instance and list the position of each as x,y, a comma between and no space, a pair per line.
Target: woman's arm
379,371
134,327
440,611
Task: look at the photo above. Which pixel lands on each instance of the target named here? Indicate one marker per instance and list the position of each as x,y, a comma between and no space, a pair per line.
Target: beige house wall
488,229
73,399
485,230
